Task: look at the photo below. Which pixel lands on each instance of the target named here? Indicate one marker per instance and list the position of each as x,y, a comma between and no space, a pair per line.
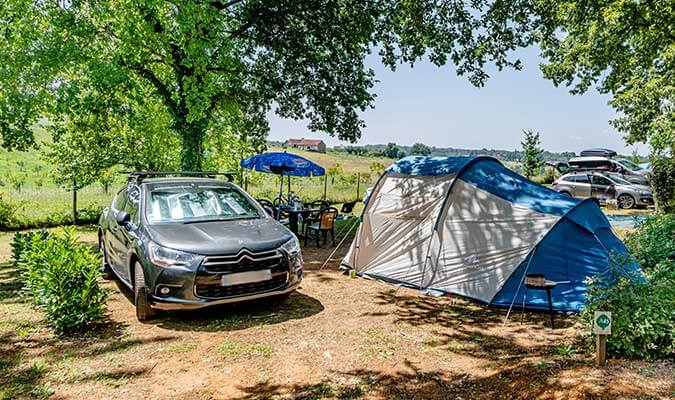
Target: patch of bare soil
336,337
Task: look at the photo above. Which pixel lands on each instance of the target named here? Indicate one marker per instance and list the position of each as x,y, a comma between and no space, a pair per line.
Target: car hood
220,237
635,188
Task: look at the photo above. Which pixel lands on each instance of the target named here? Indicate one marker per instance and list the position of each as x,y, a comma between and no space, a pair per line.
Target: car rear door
602,188
582,186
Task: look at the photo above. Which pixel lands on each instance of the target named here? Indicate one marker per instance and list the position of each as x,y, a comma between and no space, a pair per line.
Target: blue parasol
283,164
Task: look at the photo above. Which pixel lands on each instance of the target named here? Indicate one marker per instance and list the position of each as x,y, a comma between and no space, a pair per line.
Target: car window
629,164
619,179
600,180
581,179
195,203
119,200
133,200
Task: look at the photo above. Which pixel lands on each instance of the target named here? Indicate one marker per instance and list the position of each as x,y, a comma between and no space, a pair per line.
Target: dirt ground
336,337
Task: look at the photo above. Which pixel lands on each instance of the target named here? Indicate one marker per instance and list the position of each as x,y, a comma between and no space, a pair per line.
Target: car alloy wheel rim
625,202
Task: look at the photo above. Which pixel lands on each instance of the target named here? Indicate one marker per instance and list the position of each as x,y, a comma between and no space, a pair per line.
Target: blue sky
434,106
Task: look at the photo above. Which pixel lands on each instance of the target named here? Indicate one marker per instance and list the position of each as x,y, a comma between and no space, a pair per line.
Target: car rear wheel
568,194
625,201
105,266
143,309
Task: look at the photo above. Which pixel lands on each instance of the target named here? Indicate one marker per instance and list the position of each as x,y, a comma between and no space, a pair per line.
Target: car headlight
645,193
165,257
292,247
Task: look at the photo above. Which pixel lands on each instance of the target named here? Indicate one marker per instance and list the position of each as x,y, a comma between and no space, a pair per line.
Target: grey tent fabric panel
482,238
397,226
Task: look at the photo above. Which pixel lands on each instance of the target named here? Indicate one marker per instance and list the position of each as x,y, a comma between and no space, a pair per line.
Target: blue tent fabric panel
493,177
569,252
430,166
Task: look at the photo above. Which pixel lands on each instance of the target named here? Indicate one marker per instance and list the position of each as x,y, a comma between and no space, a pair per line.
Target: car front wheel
143,309
105,266
625,201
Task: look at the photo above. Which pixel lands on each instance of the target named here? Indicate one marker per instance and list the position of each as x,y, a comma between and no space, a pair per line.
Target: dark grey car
187,243
604,186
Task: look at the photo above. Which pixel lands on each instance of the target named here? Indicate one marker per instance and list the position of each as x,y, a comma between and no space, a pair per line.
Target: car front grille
209,274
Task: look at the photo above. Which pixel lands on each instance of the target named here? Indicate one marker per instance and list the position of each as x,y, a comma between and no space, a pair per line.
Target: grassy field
25,179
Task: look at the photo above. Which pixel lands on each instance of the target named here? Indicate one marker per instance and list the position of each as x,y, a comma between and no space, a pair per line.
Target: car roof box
598,153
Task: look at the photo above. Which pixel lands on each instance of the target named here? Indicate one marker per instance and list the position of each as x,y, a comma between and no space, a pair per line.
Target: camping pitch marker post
602,326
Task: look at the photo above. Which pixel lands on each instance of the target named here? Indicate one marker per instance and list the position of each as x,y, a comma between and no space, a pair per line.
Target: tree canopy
420,149
228,62
219,66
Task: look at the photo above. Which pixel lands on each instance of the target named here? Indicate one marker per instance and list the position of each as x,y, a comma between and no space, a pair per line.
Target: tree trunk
192,141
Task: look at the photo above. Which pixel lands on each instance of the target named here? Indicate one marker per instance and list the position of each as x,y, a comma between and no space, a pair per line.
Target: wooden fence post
358,184
325,186
74,215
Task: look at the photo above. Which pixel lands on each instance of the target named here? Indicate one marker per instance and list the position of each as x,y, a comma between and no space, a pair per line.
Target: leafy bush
85,216
643,306
61,275
7,213
644,322
22,240
653,241
663,182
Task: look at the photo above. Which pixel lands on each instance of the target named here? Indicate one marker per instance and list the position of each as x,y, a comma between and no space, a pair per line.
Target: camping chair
325,223
268,206
312,217
281,210
347,208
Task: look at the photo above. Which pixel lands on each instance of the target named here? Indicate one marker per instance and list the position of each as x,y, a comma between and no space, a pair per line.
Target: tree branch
220,5
150,76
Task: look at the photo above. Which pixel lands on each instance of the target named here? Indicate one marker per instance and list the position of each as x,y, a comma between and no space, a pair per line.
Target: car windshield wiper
196,221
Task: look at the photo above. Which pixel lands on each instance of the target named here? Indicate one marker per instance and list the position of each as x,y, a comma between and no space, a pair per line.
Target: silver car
604,186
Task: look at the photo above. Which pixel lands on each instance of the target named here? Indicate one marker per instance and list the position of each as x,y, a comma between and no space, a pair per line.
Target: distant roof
303,141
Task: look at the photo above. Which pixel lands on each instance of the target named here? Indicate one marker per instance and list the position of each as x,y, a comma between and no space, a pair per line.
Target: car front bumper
176,288
646,201
175,303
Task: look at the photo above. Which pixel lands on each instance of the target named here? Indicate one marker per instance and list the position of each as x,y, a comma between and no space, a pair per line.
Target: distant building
306,144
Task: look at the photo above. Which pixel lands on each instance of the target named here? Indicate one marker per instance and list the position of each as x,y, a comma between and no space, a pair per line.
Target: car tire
625,201
568,194
143,310
105,266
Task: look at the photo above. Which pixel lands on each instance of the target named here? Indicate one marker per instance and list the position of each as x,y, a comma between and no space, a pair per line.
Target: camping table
293,218
537,282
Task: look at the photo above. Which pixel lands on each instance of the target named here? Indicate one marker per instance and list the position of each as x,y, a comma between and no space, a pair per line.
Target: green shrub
653,241
21,241
61,275
663,182
643,307
643,313
7,212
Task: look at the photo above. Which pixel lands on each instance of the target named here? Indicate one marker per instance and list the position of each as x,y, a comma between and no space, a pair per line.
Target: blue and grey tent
472,227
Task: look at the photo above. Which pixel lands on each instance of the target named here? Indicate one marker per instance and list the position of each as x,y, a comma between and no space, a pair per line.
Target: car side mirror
123,218
269,210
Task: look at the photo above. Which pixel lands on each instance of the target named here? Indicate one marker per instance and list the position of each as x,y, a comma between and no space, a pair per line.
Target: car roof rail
138,176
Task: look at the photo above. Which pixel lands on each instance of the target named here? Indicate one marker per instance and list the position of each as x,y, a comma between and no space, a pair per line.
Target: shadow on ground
237,316
527,380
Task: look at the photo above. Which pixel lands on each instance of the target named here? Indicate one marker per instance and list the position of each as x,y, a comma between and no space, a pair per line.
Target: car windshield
629,164
194,203
618,179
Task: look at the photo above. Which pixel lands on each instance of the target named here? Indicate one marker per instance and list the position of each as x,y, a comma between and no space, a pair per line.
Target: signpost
602,326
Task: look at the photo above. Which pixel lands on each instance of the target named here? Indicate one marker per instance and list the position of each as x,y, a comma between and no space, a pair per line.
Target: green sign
602,322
